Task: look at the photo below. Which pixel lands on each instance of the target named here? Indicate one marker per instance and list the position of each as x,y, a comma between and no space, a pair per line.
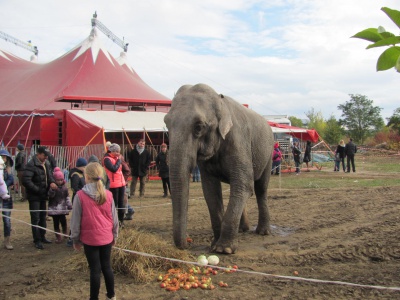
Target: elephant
231,144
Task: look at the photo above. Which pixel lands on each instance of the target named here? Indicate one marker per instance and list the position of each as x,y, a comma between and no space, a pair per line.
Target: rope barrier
295,278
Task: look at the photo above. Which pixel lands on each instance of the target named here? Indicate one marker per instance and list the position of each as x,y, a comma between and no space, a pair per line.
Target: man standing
139,161
20,162
296,156
350,150
37,180
162,163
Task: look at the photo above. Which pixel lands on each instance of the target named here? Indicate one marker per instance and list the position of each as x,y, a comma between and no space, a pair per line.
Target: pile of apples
196,277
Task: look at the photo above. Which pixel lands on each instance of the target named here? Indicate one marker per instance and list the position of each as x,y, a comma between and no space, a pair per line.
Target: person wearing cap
7,204
77,177
162,164
113,166
38,179
59,204
20,162
139,161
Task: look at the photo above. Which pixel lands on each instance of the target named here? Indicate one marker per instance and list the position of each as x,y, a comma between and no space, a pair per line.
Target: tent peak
93,43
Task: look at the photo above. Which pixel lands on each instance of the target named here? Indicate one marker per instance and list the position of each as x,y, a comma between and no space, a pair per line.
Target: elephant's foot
244,227
263,230
223,248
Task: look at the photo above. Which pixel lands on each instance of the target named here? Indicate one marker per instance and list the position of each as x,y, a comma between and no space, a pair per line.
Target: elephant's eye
198,129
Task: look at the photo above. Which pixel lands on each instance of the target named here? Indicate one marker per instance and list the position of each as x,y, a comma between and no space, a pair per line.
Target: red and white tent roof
86,73
298,132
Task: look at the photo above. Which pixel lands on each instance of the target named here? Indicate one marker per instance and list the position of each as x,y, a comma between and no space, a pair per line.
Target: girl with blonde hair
340,154
94,224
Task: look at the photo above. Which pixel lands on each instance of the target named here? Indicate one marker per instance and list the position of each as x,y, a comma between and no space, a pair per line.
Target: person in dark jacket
307,155
340,150
37,180
20,162
296,156
139,161
77,177
163,169
350,150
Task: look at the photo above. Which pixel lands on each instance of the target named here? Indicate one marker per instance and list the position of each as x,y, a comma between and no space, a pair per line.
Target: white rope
237,270
264,274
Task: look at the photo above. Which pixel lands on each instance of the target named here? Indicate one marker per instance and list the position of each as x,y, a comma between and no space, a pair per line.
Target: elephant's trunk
179,179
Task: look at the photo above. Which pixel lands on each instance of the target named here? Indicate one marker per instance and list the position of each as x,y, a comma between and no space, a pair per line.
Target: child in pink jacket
94,225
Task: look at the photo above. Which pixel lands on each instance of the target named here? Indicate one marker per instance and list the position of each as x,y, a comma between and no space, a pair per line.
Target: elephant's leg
244,221
213,195
239,193
261,187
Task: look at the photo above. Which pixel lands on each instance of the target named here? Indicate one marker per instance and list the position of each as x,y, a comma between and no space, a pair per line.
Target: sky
281,57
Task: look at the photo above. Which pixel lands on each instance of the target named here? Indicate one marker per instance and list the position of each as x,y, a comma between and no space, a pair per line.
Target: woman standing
276,159
163,169
112,163
307,155
7,204
342,154
94,224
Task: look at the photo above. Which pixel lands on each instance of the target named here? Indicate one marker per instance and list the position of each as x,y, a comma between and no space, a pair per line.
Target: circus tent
34,97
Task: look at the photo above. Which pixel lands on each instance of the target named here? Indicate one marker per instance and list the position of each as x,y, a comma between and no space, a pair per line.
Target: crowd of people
98,204
343,151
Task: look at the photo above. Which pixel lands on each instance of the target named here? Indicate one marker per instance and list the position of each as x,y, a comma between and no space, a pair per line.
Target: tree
296,121
360,118
317,121
394,120
390,58
333,131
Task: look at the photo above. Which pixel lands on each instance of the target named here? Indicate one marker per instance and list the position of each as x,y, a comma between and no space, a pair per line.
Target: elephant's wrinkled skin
231,144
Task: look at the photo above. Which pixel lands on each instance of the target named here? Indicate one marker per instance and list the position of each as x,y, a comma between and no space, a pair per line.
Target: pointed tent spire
93,43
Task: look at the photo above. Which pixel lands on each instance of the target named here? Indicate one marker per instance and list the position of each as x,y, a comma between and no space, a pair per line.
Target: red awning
300,133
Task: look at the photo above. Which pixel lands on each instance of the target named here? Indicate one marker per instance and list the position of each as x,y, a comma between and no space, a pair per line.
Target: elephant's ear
224,118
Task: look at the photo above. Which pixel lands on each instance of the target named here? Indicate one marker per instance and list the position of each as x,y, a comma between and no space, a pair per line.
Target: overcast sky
278,56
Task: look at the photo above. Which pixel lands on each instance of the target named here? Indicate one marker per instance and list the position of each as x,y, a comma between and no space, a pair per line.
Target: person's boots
129,214
165,193
64,231
7,243
58,238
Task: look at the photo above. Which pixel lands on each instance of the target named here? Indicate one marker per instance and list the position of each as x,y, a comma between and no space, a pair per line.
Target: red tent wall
49,132
79,132
7,134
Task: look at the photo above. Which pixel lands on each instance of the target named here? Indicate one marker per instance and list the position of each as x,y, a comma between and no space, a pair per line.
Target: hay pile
140,268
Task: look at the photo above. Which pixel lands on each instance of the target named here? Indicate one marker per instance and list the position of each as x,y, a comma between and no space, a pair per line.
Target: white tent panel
129,121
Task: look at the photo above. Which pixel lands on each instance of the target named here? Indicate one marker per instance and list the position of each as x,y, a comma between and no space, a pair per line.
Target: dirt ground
348,235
